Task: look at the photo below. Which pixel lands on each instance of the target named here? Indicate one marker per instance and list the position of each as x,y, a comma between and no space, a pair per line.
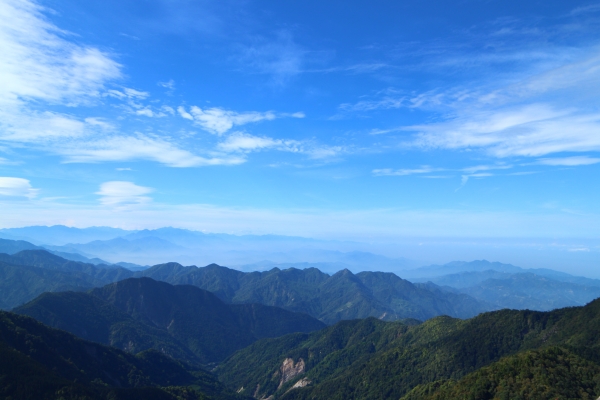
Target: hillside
550,373
330,298
377,360
29,273
182,321
41,362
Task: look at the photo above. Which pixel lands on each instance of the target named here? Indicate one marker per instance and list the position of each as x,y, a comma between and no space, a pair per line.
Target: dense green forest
182,321
344,295
371,359
163,335
38,362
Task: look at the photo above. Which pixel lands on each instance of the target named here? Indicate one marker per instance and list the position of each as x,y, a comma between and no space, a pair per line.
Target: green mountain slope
343,295
92,318
40,362
390,359
29,273
550,373
182,321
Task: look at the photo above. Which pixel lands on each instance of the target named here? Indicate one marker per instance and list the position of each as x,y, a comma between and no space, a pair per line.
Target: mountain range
475,288
264,334
516,354
508,286
182,321
329,298
149,247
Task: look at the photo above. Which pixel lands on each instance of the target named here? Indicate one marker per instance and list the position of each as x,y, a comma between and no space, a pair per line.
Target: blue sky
344,120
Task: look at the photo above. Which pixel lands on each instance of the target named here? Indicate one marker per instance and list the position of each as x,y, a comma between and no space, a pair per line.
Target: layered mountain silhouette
330,298
182,321
29,273
508,286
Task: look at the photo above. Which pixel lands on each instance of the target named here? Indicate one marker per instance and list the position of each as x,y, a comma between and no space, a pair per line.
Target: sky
349,120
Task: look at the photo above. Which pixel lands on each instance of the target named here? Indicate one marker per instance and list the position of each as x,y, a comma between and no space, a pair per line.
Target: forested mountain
29,273
549,373
330,298
371,359
39,362
182,321
343,295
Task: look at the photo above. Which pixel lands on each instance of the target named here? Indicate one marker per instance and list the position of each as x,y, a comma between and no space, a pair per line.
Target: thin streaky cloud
404,172
569,161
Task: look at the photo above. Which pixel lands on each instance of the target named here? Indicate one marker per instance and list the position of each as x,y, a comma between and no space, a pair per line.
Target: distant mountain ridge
183,321
342,295
149,247
507,286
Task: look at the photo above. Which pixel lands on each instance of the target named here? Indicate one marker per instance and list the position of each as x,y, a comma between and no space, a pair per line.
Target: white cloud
475,169
569,161
40,127
147,112
532,130
465,178
122,193
241,142
140,147
170,84
168,109
16,187
218,120
135,94
37,63
184,114
127,93
425,169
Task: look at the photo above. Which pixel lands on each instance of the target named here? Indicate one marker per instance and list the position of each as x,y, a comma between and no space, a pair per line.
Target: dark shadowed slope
182,321
40,362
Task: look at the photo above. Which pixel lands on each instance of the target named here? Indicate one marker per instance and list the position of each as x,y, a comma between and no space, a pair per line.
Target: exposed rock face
289,370
301,383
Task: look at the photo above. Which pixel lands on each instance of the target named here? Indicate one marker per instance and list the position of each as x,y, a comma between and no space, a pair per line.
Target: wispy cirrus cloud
280,57
528,117
39,64
531,130
218,120
40,68
425,169
474,171
240,142
569,161
141,147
